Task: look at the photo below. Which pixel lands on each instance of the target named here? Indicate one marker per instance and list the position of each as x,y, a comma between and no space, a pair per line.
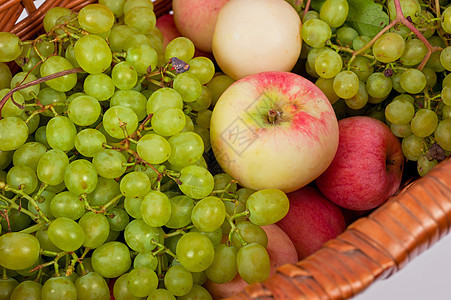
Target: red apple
311,221
274,130
280,250
196,19
368,165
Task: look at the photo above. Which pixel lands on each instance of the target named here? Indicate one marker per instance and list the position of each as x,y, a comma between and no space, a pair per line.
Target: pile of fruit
185,155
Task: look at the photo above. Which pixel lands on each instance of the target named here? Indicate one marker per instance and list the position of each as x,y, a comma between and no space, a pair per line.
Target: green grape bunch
387,59
106,174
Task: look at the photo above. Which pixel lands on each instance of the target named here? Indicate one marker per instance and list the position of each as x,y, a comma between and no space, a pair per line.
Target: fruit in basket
196,19
368,165
311,221
256,36
274,130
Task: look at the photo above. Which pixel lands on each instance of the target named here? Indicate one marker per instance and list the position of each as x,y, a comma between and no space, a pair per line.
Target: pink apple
280,250
274,130
311,221
196,19
368,166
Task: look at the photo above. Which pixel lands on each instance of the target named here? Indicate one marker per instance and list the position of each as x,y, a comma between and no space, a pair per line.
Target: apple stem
390,162
273,115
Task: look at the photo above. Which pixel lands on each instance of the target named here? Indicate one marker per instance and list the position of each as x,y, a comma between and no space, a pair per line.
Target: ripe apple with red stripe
274,130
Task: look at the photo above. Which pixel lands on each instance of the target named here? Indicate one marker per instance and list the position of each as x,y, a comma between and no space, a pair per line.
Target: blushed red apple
280,250
196,19
311,221
368,165
274,130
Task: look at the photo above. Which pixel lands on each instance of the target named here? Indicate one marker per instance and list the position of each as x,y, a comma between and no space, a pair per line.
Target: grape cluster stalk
106,177
397,71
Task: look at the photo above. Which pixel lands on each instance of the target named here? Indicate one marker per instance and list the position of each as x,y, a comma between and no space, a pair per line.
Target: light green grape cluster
103,170
396,69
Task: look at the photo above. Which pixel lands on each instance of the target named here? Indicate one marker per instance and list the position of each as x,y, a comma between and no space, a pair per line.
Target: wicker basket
373,247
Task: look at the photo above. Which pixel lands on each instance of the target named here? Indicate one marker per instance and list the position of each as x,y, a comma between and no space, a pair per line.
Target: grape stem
37,81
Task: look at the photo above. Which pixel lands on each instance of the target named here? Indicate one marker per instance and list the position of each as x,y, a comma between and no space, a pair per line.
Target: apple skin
196,19
280,250
311,221
287,154
368,165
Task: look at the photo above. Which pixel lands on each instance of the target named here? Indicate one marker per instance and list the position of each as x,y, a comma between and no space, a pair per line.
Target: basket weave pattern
372,248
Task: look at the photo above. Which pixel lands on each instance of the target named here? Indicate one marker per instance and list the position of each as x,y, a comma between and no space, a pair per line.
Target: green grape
142,281
202,67
389,47
446,112
138,235
27,289
311,14
442,134
120,289
197,292
118,219
328,64
249,233
181,208
89,141
155,209
345,35
135,184
153,148
96,18
267,206
120,36
414,52
334,12
168,121
315,33
13,133
132,99
446,95
378,86
424,122
5,76
413,81
6,157
146,259
445,58
446,22
253,263
10,109
10,45
124,75
43,203
52,15
23,78
49,96
59,288
214,236
188,86
360,42
359,100
55,64
208,214
204,133
66,234
116,6
431,77
29,154
164,98
111,260
92,286
346,84
410,8
120,121
186,149
217,85
18,250
93,54
197,182
363,67
17,220
132,206
143,57
96,228
99,86
412,147
130,4
203,102
80,177
140,18
161,294
400,111
109,163
68,205
396,81
60,132
224,181
424,165
180,47
223,268
23,178
195,251
326,86
51,167
84,110
178,280
204,117
402,130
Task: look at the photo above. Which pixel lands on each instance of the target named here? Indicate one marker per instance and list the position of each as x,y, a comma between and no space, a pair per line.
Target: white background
427,277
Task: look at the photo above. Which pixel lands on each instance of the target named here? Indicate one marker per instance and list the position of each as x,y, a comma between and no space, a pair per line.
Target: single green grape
60,132
413,147
413,81
55,64
195,251
18,250
51,166
99,86
334,12
178,280
153,148
217,85
96,18
315,33
188,86
168,121
328,64
164,98
197,292
346,84
143,57
414,52
181,208
186,149
29,154
203,68
399,111
92,286
424,122
124,75
10,46
96,228
155,209
135,184
208,214
66,234
59,288
111,260
120,121
445,58
89,141
132,99
138,235
378,86
424,165
389,47
442,134
253,263
142,281
84,110
249,233
345,35
13,133
197,182
140,18
80,177
223,268
410,8
67,204
360,99
181,48
267,206
109,163
27,289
